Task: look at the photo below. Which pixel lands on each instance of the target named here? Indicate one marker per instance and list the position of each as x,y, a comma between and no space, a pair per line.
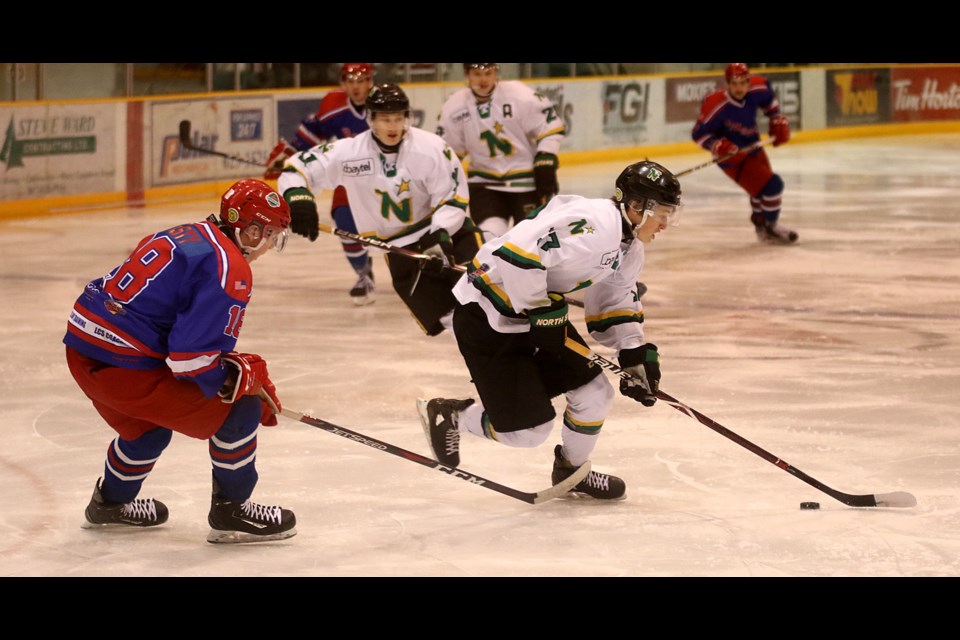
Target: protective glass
275,237
668,214
270,236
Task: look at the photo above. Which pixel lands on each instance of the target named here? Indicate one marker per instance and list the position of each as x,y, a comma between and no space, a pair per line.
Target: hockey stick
386,246
747,149
188,144
538,497
893,499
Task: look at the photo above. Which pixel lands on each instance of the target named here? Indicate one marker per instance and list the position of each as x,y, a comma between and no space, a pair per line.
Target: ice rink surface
840,355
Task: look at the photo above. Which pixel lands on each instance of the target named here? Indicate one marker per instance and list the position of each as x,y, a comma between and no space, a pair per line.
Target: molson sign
857,97
925,93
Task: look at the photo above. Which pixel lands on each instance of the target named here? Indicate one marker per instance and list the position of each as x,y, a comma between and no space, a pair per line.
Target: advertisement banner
925,93
626,112
60,149
685,95
856,97
290,113
787,87
236,127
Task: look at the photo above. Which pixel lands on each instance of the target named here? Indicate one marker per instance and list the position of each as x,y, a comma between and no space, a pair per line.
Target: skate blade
574,494
238,537
117,526
362,301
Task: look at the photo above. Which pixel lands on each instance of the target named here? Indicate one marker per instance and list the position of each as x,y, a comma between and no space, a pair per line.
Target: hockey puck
809,505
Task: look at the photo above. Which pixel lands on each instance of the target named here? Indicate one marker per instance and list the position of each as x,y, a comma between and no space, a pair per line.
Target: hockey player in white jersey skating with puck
511,323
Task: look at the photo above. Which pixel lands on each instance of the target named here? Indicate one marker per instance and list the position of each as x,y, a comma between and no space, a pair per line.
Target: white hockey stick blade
564,486
897,499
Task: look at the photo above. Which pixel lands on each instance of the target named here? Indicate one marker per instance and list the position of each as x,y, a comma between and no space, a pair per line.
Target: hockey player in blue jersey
727,124
152,345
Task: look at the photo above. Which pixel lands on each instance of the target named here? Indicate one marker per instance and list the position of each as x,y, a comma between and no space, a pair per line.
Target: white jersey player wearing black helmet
406,187
511,322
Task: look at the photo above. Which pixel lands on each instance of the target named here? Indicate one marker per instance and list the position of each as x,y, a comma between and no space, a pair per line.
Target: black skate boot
233,521
772,233
439,420
137,513
595,485
362,291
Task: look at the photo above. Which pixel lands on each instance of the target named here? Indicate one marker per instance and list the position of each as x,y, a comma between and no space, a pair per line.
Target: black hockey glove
304,220
644,363
438,245
545,176
548,325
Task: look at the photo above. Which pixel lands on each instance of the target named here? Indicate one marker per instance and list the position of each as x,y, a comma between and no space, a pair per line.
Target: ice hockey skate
362,292
235,521
772,233
596,485
439,420
142,512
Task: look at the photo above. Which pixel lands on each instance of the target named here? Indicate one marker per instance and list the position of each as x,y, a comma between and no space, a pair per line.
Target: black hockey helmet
387,98
647,179
644,185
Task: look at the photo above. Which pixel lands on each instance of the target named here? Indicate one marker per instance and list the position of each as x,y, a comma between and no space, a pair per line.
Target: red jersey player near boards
341,115
727,124
151,344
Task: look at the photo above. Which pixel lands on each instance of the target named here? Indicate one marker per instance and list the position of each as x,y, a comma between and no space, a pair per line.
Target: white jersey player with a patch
395,197
572,243
502,135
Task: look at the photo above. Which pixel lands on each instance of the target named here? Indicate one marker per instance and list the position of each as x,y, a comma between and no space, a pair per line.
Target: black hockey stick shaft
747,149
188,144
894,499
386,246
539,497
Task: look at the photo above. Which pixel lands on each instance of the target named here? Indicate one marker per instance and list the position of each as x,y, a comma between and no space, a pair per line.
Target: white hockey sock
471,420
577,447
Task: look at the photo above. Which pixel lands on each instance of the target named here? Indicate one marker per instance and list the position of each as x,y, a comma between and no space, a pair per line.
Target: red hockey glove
270,406
779,130
274,163
726,152
723,147
246,375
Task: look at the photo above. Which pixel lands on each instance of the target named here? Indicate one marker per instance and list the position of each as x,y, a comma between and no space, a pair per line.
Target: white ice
840,355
